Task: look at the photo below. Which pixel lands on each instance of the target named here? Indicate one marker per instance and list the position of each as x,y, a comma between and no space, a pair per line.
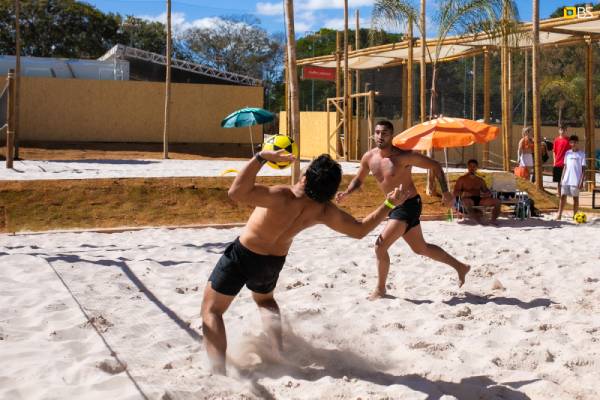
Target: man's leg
393,230
575,204
271,317
561,206
214,305
490,201
468,204
414,238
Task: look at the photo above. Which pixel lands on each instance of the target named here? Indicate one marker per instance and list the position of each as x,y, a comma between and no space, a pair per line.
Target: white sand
84,169
525,326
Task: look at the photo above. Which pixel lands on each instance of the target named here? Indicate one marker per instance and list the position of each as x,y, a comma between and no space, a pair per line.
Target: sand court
117,316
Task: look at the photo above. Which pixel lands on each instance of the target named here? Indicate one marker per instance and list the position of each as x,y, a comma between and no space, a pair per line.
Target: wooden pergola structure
552,33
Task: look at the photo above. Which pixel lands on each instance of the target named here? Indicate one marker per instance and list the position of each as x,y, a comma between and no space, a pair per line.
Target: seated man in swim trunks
257,256
473,191
392,167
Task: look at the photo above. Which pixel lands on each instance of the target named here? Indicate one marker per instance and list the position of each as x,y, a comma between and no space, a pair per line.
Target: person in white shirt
572,176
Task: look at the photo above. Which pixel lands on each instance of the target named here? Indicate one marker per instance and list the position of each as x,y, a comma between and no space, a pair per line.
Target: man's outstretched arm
244,188
356,182
341,221
421,161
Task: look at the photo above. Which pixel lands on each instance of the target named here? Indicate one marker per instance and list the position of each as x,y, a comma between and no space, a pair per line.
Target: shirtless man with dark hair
257,256
473,192
392,167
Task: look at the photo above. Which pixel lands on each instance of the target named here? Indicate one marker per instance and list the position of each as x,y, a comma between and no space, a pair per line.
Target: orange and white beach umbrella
445,132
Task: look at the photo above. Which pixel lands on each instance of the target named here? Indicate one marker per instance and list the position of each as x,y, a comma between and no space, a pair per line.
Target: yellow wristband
389,204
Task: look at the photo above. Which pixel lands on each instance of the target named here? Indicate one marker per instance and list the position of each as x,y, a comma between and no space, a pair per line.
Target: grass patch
110,203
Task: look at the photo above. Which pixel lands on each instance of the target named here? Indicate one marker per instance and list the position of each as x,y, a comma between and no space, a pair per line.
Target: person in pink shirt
560,147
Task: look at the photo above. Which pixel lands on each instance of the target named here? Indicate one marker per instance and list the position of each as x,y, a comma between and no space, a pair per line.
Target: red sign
319,73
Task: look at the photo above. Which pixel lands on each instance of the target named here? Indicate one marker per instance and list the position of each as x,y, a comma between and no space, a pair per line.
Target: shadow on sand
304,361
470,298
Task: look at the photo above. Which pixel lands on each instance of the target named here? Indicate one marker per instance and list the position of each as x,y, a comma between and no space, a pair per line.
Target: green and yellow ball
580,218
280,142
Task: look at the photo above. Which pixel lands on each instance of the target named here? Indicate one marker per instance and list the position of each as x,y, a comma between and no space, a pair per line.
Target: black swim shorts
239,266
557,173
476,200
409,212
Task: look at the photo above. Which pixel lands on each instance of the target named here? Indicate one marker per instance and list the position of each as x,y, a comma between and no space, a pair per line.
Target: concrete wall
125,111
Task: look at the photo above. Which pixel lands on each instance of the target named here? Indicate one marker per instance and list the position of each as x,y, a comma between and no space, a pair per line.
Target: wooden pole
288,118
346,102
423,63
338,88
526,89
590,117
404,98
474,94
486,102
504,96
371,106
409,79
509,103
293,82
10,130
535,83
17,74
357,130
167,86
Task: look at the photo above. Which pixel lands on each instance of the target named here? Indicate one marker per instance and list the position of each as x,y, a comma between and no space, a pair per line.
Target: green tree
142,34
58,28
234,44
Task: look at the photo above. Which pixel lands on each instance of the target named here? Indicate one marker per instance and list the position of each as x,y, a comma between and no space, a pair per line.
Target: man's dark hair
472,161
574,138
562,126
386,123
323,177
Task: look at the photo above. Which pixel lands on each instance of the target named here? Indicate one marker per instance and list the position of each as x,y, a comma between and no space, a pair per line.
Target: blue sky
310,15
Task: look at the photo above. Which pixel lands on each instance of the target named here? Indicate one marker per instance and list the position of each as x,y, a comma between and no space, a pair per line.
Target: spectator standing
572,176
560,147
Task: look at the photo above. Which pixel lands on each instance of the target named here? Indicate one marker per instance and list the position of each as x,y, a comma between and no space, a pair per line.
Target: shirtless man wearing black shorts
257,256
392,167
472,191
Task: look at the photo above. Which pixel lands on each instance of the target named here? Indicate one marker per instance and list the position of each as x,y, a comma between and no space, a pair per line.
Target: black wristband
260,159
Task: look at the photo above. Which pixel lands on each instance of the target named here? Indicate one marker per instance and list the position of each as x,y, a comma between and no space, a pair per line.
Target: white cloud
269,8
179,22
338,23
310,5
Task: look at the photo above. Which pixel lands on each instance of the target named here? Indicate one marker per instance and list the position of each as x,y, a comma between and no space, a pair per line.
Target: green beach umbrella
247,117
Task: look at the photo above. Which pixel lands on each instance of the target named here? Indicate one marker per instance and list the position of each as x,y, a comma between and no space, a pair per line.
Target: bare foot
462,273
377,294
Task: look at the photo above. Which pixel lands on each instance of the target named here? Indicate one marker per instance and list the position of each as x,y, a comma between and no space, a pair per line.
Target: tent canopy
553,32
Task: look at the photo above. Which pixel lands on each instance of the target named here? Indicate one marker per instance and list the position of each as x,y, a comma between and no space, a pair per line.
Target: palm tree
452,16
294,106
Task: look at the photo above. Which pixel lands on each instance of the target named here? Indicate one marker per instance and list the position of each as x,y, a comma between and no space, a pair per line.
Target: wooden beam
346,84
357,130
535,81
293,84
17,75
10,131
167,86
486,103
409,80
423,68
590,117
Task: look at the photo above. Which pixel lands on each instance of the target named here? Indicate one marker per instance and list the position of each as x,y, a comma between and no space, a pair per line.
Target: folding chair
504,187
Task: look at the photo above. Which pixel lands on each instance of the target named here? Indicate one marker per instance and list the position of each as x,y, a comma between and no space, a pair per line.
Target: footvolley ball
580,218
280,142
